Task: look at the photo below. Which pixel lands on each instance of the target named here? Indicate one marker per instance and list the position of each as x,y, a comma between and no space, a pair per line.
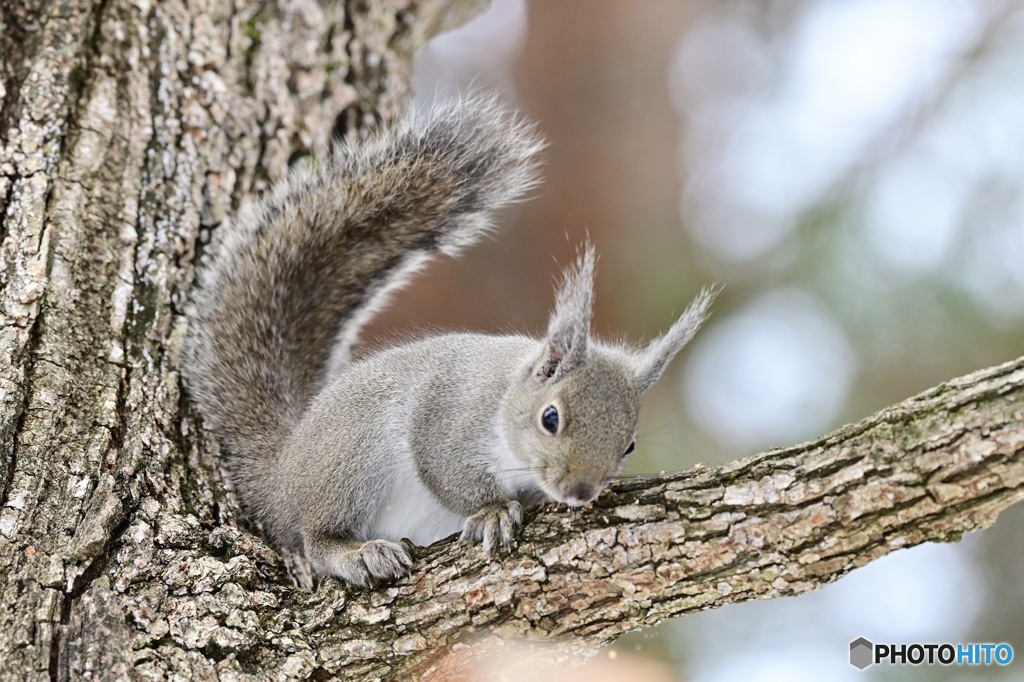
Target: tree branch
780,523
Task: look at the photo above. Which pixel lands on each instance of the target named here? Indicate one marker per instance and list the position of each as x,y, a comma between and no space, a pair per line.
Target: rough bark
129,130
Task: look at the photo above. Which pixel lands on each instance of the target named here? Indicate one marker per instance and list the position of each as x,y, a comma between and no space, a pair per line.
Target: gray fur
342,459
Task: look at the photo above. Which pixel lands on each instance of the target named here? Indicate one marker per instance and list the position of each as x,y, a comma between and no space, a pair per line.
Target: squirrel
342,458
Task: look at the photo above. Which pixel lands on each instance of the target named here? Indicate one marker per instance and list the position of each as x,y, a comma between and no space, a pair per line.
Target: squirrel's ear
651,362
569,327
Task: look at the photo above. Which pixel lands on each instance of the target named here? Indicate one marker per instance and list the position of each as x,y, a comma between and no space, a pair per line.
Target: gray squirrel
341,458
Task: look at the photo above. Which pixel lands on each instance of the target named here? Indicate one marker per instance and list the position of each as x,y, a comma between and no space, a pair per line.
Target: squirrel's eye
549,419
632,446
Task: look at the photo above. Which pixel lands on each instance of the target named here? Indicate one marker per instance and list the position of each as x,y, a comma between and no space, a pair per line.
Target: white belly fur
413,512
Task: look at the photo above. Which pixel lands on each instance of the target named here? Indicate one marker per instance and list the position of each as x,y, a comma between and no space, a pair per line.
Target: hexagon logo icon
861,653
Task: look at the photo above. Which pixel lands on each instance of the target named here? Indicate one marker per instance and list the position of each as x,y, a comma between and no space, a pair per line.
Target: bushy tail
296,278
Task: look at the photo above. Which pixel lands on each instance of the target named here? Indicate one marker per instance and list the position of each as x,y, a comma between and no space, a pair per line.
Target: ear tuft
651,362
569,326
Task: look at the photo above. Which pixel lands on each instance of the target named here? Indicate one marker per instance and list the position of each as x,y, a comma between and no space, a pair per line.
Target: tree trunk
129,130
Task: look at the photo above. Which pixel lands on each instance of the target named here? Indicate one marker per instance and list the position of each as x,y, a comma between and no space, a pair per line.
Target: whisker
671,447
675,427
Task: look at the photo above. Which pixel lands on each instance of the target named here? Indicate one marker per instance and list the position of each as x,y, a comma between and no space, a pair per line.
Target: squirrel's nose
579,493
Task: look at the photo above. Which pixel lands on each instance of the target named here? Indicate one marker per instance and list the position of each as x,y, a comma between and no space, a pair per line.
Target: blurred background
851,171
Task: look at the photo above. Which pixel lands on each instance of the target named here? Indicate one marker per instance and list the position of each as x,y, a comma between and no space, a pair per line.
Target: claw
494,526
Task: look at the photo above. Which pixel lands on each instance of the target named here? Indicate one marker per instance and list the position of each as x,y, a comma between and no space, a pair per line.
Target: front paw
495,525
